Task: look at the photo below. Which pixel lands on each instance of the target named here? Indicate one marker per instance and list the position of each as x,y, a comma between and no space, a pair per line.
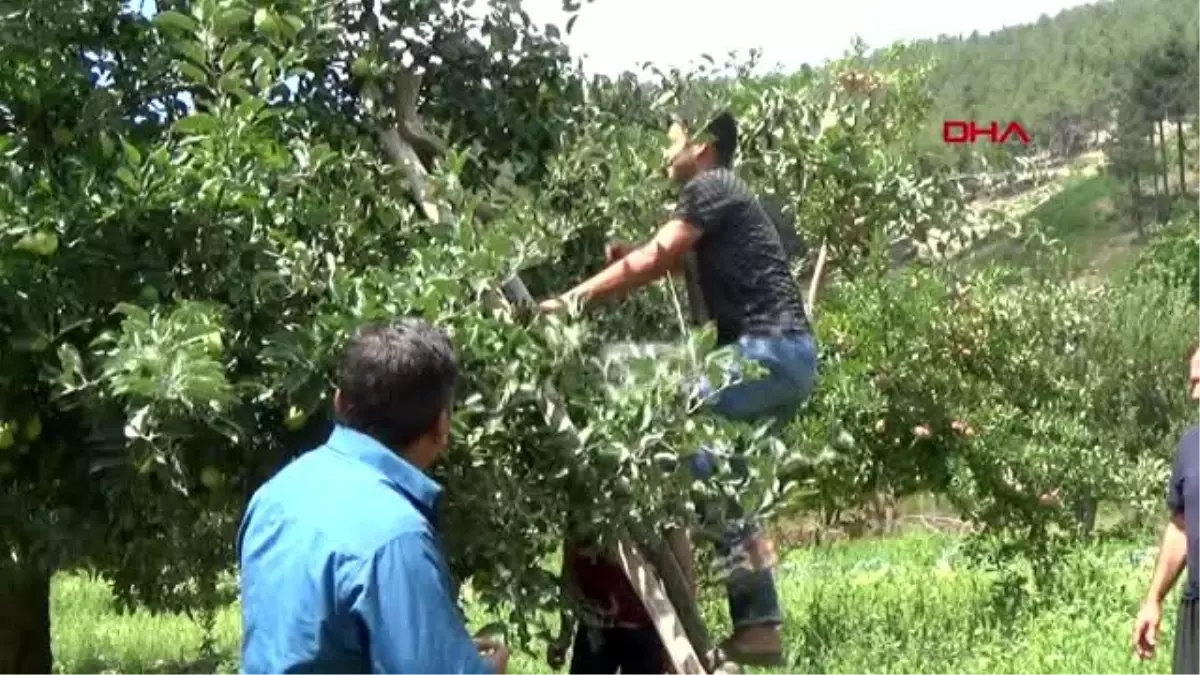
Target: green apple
213,341
148,294
33,429
295,419
8,435
211,477
360,67
43,243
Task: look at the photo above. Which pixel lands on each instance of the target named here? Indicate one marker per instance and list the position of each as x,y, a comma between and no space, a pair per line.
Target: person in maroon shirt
615,632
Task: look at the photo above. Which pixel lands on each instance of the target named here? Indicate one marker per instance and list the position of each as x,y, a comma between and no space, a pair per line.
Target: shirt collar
420,489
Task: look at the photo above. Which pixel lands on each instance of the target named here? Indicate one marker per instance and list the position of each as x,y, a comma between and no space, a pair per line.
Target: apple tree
197,208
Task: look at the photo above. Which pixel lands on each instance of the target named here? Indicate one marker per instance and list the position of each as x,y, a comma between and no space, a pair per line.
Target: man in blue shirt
341,569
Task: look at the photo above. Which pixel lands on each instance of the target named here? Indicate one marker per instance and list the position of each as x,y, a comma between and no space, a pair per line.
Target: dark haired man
341,571
743,273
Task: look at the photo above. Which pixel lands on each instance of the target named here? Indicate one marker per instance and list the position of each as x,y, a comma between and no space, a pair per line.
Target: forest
1068,78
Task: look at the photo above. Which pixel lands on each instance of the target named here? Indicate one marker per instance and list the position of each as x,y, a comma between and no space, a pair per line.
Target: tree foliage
195,212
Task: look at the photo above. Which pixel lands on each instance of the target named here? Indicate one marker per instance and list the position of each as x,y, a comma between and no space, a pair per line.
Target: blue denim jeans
791,364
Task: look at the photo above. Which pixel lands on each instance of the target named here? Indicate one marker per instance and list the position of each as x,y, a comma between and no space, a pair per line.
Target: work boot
755,646
753,596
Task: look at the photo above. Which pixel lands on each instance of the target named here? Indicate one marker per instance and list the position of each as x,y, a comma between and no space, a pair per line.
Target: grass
907,604
1080,218
1078,213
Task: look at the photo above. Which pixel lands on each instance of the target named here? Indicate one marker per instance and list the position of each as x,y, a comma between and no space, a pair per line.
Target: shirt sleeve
1175,488
412,622
1183,454
703,202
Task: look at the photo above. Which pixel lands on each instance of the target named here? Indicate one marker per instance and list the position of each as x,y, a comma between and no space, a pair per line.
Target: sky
615,35
612,36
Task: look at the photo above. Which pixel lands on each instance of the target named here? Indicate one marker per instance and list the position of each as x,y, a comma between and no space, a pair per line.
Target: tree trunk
1155,173
1166,164
1135,189
1086,513
1182,147
25,622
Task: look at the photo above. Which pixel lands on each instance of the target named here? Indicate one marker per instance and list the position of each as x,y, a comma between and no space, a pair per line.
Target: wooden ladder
648,562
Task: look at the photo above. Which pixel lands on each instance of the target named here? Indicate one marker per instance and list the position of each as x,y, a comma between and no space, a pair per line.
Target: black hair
723,133
396,380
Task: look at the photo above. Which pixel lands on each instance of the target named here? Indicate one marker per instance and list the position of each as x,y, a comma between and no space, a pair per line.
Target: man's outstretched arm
653,260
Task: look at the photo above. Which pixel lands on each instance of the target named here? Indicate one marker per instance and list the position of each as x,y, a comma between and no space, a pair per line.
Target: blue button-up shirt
341,571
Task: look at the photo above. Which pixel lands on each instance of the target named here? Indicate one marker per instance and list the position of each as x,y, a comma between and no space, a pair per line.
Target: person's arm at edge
1172,556
412,621
661,255
1172,552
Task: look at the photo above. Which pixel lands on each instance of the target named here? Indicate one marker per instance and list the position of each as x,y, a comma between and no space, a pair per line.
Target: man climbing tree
742,272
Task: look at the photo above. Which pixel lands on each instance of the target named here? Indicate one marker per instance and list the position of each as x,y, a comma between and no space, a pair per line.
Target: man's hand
552,305
617,250
1145,629
494,652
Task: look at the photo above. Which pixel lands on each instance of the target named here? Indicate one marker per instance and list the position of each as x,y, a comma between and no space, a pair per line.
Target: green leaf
294,25
267,23
232,53
192,51
107,148
126,176
175,21
193,72
261,17
232,82
198,123
228,21
263,78
263,60
133,157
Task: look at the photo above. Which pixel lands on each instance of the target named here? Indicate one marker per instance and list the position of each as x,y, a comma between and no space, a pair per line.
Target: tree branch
815,283
398,145
408,123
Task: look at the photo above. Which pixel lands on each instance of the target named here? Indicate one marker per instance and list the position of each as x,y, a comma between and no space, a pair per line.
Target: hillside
1108,92
1063,77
